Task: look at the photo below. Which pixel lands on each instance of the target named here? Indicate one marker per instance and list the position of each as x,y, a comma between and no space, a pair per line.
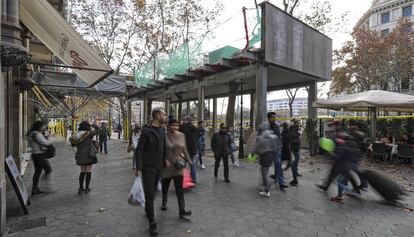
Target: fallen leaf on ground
189,231
101,209
408,210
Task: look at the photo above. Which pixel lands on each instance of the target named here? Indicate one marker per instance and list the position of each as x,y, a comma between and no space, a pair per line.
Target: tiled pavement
219,209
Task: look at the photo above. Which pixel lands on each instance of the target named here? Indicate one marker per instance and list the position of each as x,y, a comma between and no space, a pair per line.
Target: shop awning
52,29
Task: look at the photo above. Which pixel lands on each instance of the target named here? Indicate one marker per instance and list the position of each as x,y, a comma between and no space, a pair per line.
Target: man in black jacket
149,158
294,131
220,144
191,138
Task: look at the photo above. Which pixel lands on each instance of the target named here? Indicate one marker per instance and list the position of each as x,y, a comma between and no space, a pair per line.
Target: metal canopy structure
65,83
291,55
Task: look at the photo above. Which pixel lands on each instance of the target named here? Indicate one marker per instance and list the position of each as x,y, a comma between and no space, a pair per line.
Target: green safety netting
223,41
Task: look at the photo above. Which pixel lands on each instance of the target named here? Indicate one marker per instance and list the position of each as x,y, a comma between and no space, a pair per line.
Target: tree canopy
372,60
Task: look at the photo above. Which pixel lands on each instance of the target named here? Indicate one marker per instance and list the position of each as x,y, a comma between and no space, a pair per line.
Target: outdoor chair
405,152
379,150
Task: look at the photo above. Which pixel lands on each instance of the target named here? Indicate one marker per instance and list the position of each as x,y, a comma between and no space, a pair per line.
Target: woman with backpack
38,143
86,153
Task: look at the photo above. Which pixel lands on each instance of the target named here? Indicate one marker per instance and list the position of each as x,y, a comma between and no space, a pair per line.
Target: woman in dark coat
286,139
86,153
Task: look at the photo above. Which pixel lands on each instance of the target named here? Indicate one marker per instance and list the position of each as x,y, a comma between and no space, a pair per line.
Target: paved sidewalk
219,209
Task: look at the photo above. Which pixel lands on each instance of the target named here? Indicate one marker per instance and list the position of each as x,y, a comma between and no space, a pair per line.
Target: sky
233,29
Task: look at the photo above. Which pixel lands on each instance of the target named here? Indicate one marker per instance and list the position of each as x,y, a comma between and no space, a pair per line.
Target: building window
385,18
385,32
407,11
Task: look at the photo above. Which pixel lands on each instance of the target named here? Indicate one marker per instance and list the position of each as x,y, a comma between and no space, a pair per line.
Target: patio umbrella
371,101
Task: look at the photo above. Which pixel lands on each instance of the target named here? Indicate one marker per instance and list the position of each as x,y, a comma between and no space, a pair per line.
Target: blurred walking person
150,157
267,146
86,152
37,142
175,161
133,142
286,139
233,148
294,132
201,144
278,176
191,138
103,138
220,144
119,128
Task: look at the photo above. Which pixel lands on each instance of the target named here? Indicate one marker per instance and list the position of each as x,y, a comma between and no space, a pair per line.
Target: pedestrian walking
267,146
233,148
37,142
119,128
294,132
191,138
150,158
347,156
103,138
220,144
201,144
278,176
86,151
176,157
286,139
133,142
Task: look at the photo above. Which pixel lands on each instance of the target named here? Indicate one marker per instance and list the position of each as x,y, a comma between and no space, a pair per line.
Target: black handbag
50,151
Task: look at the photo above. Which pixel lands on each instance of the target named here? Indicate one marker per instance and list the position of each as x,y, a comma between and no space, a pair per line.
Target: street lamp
241,139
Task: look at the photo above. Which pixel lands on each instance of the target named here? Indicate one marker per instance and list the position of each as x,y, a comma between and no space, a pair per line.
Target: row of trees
372,60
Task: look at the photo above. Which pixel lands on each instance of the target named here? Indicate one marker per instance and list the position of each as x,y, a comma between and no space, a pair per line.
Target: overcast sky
234,28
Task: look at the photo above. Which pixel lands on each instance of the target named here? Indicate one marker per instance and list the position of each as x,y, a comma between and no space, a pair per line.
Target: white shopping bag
136,196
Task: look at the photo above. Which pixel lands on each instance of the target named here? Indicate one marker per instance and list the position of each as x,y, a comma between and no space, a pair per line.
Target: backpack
267,141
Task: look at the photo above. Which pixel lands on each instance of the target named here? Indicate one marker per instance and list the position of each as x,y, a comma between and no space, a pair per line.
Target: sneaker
283,186
293,183
183,214
203,167
264,194
153,229
36,191
236,165
338,199
321,187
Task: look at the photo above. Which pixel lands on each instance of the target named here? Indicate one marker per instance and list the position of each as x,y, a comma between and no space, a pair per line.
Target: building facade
281,106
383,15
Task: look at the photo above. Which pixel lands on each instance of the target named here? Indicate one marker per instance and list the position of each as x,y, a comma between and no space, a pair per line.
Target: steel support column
201,105
261,95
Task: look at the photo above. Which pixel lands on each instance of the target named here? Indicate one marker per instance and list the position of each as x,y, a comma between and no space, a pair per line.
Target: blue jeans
295,164
193,170
105,145
200,156
278,168
342,183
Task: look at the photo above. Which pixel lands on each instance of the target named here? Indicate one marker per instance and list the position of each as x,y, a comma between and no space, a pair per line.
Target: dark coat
220,144
286,153
295,138
267,158
191,137
276,129
83,148
150,151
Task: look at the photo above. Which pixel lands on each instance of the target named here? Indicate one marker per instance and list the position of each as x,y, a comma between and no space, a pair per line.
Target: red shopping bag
187,180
